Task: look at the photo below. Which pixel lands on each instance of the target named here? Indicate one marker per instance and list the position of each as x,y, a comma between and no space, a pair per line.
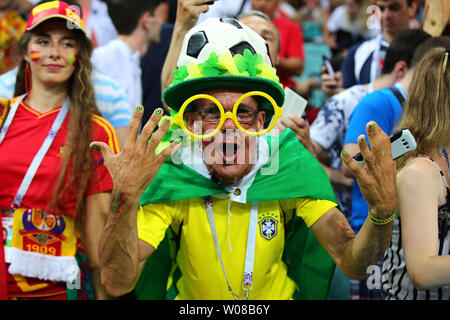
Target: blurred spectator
287,9
138,26
152,63
348,25
312,18
263,25
12,26
291,50
98,24
226,8
364,62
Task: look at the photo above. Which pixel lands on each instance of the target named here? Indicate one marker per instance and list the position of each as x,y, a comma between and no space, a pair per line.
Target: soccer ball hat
55,9
221,52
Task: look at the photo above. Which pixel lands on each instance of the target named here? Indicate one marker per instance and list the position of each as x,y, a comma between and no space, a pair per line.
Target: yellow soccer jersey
202,276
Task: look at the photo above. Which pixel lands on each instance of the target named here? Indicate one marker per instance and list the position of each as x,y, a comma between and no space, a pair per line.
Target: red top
25,136
291,45
23,140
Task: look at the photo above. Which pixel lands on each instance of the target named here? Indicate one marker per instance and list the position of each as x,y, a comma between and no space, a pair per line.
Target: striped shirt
109,95
396,284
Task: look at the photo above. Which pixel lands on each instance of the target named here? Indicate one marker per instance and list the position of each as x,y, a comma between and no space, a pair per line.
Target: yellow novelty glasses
215,114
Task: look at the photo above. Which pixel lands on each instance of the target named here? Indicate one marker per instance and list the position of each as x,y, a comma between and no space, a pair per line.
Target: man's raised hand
133,169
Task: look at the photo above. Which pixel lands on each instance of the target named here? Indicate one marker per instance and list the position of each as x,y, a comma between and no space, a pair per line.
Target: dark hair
402,48
424,48
125,14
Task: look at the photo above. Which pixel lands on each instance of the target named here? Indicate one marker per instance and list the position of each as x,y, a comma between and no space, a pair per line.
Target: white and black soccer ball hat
220,35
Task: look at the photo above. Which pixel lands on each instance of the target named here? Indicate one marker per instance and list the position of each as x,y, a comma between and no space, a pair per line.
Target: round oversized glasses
215,114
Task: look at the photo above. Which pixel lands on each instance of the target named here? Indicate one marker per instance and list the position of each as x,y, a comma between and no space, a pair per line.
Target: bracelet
381,222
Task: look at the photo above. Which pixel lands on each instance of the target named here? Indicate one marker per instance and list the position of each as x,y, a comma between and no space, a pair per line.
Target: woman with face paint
54,191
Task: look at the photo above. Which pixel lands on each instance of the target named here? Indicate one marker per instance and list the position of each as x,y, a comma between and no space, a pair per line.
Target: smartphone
327,63
402,141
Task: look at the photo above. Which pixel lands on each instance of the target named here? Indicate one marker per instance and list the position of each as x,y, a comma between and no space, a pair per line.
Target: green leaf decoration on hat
268,72
227,61
211,67
180,74
252,61
246,64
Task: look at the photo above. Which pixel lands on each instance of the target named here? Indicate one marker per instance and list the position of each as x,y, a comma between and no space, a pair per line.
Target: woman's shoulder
420,172
101,122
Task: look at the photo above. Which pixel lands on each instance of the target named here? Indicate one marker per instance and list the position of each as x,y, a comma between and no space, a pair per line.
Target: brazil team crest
268,226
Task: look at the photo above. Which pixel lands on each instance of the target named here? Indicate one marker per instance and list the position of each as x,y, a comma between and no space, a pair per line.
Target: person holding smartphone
417,264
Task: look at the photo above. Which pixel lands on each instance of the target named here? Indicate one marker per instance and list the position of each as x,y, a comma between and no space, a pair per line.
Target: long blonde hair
427,110
77,162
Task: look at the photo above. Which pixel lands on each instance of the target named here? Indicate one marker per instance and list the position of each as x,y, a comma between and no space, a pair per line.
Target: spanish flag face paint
35,55
72,58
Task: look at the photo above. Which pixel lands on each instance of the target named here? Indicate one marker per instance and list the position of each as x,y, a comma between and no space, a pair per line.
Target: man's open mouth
229,152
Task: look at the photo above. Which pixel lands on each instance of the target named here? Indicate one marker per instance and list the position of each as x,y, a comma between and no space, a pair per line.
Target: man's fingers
280,127
299,121
365,151
167,152
352,165
286,122
297,124
148,129
133,128
379,141
158,135
103,148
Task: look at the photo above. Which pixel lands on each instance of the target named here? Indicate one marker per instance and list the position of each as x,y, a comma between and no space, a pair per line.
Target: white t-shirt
117,61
